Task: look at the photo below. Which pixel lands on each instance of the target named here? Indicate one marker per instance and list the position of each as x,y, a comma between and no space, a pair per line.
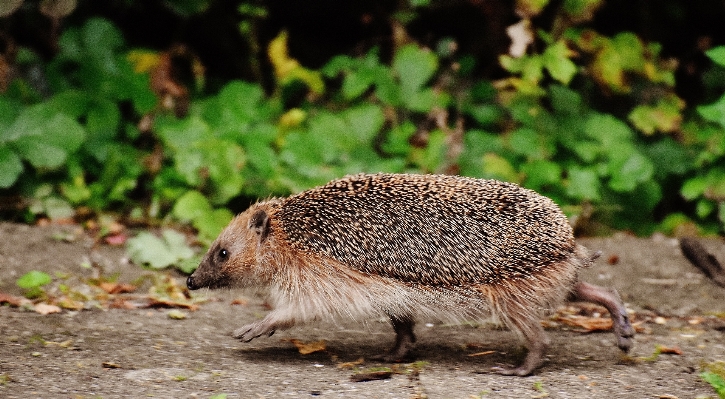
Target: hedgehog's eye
223,254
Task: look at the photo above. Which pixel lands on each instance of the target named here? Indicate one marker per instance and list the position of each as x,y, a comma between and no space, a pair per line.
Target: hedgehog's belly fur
308,287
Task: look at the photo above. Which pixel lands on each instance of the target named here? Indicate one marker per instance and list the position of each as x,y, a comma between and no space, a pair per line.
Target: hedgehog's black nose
190,283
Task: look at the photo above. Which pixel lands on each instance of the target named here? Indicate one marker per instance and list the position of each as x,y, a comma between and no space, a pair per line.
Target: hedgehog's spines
429,229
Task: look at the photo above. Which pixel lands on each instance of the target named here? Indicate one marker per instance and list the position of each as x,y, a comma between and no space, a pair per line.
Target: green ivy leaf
541,173
714,112
158,253
498,167
33,279
212,223
717,54
191,206
716,381
556,60
414,67
47,143
365,121
10,167
529,143
397,140
583,184
565,100
430,158
611,132
629,171
693,188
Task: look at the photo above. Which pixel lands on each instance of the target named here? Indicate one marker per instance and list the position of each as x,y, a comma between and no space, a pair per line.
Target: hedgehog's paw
623,330
254,330
520,371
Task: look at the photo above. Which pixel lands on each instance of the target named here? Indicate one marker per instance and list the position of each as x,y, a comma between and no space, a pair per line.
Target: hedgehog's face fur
232,258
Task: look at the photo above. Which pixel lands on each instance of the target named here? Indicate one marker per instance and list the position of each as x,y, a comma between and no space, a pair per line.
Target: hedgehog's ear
260,224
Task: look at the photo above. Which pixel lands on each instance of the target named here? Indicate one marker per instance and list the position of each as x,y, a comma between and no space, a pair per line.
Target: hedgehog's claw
252,331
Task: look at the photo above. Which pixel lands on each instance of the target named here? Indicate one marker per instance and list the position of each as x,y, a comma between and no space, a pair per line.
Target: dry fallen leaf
44,308
13,300
240,301
349,365
65,344
70,304
669,350
588,324
176,314
307,348
116,288
169,303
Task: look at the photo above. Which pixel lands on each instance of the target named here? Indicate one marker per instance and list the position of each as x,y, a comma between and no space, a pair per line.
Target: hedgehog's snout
190,283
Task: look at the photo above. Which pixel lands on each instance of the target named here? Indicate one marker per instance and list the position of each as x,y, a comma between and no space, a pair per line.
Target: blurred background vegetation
150,112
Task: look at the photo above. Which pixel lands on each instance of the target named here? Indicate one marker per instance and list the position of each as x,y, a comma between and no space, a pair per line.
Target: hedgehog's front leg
404,340
267,326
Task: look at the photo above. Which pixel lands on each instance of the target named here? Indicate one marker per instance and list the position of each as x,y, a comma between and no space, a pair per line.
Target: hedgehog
404,247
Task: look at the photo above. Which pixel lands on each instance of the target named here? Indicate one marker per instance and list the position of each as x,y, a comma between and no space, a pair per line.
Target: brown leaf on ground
587,324
307,348
371,376
240,301
349,365
169,303
13,300
124,303
669,350
117,288
68,303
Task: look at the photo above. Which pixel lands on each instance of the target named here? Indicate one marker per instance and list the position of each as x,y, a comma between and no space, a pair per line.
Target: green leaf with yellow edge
498,167
530,8
556,60
665,116
581,10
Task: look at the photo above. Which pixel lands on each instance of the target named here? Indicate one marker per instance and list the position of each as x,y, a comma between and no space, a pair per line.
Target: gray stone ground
195,357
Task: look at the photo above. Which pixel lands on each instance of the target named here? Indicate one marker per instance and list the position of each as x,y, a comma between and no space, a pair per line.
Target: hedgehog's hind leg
609,298
536,343
404,340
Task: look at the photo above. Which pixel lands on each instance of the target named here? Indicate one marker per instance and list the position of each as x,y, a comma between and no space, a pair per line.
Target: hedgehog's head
232,258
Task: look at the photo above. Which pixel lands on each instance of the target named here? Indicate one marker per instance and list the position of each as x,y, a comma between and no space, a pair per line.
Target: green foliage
160,252
584,118
714,374
32,282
